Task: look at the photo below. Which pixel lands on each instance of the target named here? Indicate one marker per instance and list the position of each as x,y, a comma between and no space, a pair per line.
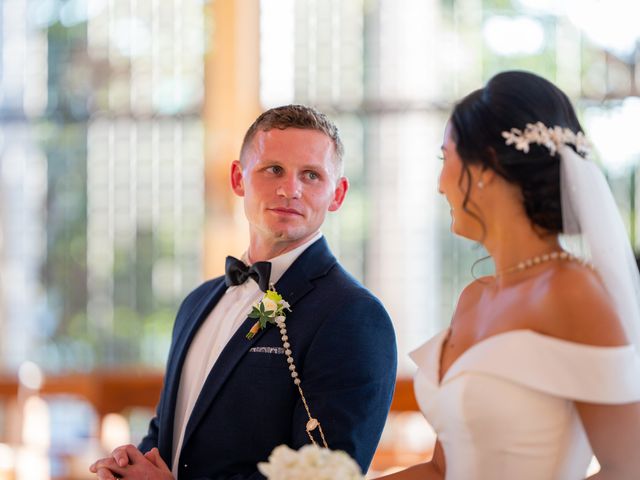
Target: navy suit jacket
344,348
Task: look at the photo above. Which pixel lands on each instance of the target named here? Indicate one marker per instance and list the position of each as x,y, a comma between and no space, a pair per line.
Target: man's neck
260,250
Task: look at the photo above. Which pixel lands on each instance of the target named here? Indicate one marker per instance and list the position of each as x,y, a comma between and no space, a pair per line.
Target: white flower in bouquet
310,463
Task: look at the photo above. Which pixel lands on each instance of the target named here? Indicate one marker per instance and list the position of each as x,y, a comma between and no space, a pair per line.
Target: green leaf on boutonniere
266,310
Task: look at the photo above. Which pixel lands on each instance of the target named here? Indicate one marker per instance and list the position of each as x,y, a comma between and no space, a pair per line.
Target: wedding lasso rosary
312,423
274,313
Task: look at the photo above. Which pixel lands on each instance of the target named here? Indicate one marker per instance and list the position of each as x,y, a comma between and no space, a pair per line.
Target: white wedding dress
504,409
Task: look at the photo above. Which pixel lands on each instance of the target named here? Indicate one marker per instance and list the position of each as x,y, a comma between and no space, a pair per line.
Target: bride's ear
486,176
488,173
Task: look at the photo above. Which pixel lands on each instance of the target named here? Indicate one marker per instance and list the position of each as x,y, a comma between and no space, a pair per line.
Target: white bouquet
310,463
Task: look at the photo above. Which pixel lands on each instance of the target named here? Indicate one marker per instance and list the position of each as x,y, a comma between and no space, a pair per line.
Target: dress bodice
505,408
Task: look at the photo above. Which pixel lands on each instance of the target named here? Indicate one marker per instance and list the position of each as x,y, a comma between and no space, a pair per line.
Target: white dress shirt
212,336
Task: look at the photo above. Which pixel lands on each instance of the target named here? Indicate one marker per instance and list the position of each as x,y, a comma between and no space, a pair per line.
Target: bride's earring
480,184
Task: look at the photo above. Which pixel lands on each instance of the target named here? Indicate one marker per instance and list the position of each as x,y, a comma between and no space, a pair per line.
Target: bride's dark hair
512,100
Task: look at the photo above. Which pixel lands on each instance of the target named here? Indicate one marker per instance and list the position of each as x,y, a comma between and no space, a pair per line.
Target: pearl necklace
538,259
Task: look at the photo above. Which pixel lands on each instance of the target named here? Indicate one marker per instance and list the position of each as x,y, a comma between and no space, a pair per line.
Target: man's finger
93,468
154,457
105,474
133,454
107,464
121,455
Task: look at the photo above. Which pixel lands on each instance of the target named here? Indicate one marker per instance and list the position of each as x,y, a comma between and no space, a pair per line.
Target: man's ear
237,178
339,194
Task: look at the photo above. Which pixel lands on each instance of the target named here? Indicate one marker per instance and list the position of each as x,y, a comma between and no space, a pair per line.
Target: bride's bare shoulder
478,285
473,291
577,307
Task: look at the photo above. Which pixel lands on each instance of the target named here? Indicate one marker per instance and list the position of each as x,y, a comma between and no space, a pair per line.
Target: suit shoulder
343,284
351,319
347,300
342,278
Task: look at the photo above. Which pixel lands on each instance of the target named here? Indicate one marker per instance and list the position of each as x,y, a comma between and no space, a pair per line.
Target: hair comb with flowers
551,137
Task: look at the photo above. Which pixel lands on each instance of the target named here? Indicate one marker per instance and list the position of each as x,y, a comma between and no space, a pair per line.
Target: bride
540,368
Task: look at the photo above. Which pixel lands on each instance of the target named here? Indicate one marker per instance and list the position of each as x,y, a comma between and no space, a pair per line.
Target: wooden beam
232,102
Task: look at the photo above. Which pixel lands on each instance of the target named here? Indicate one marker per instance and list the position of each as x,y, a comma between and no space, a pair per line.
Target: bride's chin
460,231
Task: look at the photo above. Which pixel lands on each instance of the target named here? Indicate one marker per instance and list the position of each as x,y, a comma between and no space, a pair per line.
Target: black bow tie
236,273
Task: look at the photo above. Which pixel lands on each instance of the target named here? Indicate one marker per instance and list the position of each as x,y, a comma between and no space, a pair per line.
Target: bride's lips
285,211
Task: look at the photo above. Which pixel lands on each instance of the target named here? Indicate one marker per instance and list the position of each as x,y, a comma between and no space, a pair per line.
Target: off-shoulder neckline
442,335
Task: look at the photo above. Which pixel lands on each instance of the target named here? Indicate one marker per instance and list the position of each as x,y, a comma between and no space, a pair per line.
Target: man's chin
291,235
286,236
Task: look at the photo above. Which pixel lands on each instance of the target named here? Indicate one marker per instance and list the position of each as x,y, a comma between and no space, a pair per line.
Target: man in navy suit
227,401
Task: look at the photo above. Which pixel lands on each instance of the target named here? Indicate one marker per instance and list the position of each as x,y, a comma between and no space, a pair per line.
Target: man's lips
285,211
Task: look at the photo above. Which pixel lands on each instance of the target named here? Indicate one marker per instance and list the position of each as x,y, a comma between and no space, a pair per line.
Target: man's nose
289,187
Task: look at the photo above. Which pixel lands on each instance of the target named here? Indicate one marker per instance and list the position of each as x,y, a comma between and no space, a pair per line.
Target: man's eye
313,175
275,169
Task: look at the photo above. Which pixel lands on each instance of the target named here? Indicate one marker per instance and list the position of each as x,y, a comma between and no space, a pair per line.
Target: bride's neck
511,244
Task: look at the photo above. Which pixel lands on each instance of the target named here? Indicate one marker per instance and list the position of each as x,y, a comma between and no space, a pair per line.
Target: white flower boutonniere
268,310
310,463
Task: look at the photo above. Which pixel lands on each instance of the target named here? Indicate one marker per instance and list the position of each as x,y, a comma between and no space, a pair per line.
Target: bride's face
454,183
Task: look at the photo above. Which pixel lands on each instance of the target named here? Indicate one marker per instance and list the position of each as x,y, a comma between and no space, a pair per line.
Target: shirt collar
281,263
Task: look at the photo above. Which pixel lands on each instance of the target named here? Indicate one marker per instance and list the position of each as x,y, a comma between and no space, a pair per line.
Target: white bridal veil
591,216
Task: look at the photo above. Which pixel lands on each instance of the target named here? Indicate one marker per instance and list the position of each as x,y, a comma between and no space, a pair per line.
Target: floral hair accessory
311,463
550,137
268,310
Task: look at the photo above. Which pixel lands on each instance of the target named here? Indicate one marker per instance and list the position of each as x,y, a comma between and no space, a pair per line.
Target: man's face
289,180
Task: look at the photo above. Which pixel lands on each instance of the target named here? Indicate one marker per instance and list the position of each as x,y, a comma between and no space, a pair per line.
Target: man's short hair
295,116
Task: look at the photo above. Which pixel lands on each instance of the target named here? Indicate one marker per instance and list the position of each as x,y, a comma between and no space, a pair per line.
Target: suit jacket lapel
176,361
314,262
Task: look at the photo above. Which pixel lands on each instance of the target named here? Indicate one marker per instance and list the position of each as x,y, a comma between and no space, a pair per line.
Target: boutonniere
269,309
